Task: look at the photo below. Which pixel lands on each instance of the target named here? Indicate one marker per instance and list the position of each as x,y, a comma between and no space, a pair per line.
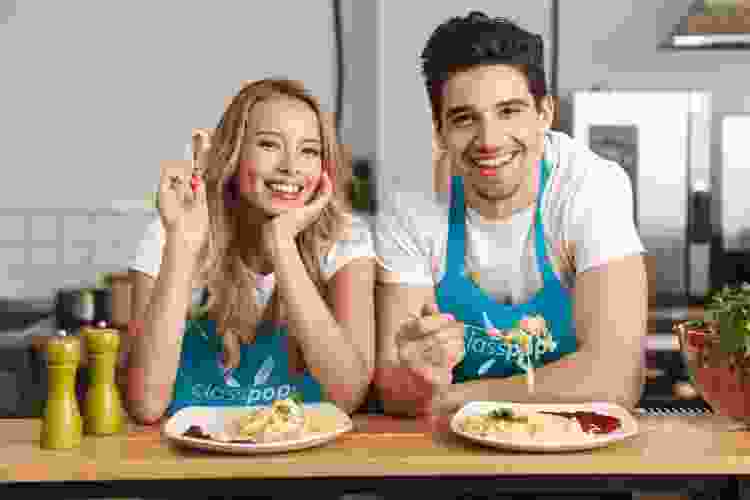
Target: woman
269,237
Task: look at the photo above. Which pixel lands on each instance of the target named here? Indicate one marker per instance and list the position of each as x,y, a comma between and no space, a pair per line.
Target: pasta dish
283,420
512,423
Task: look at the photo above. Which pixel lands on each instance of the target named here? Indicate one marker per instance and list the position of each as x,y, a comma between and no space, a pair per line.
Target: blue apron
457,294
262,376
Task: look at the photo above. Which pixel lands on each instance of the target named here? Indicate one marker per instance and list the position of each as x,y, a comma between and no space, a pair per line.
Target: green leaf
732,338
297,397
695,323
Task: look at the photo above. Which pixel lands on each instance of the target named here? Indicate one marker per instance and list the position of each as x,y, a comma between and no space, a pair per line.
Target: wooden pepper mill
61,425
103,410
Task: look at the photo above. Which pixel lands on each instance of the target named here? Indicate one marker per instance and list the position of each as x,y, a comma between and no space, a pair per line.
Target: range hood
717,24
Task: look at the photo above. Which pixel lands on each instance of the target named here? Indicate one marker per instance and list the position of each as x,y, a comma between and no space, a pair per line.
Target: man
533,224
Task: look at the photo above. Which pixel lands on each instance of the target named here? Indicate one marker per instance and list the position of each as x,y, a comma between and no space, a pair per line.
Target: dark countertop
19,314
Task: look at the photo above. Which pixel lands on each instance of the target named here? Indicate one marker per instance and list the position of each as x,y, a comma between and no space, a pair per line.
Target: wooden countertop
378,446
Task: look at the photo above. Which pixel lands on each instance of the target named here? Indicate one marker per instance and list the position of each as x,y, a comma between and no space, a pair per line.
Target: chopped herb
297,397
507,414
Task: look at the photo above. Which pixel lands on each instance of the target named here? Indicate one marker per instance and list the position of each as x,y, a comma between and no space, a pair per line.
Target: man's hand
430,346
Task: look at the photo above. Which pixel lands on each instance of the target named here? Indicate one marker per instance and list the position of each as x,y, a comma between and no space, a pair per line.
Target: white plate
628,427
212,419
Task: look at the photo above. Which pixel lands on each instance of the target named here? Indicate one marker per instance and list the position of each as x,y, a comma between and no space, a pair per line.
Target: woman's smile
290,193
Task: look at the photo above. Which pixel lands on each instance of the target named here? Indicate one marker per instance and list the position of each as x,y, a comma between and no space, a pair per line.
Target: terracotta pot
721,378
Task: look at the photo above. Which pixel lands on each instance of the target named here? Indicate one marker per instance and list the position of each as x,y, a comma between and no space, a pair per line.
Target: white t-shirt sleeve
601,223
357,243
147,255
404,248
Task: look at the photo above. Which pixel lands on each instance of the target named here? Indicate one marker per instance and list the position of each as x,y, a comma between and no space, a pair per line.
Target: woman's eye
509,112
460,121
312,152
267,144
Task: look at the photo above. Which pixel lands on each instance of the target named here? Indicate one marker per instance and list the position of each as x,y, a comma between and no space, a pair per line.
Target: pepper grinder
61,425
103,410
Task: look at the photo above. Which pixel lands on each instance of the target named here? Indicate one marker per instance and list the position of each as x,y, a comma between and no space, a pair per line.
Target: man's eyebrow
465,109
267,132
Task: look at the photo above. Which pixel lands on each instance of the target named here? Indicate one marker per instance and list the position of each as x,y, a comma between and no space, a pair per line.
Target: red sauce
195,431
592,422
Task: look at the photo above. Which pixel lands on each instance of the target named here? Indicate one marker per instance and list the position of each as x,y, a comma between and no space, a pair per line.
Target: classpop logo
217,392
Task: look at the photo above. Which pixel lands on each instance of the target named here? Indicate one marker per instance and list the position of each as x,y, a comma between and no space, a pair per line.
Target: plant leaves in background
103,280
731,338
360,194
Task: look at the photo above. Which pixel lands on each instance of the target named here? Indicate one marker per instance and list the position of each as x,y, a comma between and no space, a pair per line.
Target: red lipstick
486,153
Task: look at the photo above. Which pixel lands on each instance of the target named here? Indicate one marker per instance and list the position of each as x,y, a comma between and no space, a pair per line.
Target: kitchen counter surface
383,447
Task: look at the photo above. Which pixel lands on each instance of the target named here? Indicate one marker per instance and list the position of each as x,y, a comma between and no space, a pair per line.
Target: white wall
95,94
404,119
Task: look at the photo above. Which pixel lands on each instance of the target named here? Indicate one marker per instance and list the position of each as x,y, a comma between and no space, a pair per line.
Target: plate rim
549,446
310,441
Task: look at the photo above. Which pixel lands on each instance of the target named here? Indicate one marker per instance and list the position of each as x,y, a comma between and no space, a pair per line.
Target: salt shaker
61,425
103,410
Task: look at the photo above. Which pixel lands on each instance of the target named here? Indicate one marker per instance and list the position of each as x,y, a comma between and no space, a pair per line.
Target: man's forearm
403,392
578,377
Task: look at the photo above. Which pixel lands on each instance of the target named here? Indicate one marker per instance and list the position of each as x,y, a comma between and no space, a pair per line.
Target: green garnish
297,397
507,414
502,413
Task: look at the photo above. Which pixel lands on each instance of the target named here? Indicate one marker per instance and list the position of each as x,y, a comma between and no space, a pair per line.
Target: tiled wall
43,250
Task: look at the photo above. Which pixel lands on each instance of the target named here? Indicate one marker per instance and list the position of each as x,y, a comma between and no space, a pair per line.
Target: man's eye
267,144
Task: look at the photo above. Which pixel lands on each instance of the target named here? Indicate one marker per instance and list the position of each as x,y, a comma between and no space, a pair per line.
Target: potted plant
716,351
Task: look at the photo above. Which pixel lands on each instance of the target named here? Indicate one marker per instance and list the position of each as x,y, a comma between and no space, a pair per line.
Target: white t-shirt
587,214
358,243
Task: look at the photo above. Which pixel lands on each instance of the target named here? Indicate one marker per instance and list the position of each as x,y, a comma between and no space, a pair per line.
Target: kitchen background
95,97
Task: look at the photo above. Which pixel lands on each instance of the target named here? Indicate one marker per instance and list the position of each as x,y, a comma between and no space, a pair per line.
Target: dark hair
464,42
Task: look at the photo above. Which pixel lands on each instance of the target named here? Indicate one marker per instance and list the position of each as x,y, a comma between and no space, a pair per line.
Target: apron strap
540,247
456,250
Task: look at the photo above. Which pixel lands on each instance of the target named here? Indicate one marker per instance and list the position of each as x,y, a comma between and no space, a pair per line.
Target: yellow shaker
61,421
103,409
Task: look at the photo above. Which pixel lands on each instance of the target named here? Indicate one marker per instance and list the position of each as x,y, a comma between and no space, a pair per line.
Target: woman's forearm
330,354
156,350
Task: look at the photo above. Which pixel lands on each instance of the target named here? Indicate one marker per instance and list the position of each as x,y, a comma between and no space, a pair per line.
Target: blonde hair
232,293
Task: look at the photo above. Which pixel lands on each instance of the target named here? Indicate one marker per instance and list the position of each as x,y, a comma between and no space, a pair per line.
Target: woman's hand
182,205
282,229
